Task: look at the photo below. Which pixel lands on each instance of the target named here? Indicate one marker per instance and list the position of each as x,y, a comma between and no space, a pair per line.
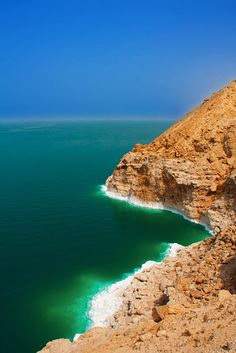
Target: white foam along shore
108,301
152,205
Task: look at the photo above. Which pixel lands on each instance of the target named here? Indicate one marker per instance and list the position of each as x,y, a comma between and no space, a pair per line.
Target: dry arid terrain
191,167
188,302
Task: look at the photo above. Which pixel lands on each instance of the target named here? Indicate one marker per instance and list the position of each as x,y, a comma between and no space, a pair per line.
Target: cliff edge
188,302
191,167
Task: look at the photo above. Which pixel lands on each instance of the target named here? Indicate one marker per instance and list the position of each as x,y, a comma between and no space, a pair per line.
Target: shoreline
108,301
99,312
134,201
165,307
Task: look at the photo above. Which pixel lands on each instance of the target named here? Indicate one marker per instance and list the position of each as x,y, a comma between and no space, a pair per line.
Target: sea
66,246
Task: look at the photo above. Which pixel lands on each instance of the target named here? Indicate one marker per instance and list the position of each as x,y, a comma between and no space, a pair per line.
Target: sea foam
108,301
152,205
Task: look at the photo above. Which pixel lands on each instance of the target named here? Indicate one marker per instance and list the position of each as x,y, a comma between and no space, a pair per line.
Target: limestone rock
224,295
191,167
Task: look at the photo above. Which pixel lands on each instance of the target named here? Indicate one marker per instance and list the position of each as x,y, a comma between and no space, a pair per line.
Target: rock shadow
228,274
163,300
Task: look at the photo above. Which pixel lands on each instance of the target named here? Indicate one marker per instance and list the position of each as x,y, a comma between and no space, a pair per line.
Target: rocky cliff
185,304
188,302
191,167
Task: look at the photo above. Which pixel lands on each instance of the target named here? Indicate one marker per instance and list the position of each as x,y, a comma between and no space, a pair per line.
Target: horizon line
65,118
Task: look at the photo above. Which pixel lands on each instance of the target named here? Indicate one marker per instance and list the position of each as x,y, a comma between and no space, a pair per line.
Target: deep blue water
61,238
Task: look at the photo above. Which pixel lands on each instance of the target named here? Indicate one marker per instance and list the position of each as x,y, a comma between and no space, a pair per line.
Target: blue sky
113,57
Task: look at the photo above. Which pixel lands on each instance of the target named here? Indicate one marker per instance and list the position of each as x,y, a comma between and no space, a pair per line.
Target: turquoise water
61,238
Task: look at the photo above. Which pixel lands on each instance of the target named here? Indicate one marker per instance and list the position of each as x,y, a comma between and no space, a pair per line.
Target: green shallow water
61,239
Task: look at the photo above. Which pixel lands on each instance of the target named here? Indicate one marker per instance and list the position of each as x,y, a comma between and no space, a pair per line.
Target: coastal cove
62,240
134,201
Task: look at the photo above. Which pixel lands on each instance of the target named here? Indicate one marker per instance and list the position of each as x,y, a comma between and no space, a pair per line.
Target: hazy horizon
111,118
103,117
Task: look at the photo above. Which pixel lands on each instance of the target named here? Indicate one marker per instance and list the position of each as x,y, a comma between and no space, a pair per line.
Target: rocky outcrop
191,167
185,304
188,302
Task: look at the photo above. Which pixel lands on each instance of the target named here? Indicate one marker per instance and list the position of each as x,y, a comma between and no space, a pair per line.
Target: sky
113,58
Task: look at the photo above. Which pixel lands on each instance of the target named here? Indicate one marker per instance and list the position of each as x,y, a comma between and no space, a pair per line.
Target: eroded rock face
187,303
191,167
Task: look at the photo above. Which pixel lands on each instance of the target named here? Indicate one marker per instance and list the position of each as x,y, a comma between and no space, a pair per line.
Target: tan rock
60,345
161,333
224,295
189,167
161,311
175,308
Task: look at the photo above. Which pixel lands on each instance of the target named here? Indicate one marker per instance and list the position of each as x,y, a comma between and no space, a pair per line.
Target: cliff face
191,167
187,303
